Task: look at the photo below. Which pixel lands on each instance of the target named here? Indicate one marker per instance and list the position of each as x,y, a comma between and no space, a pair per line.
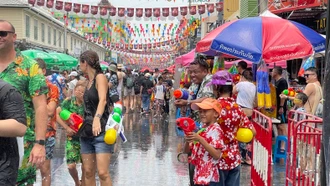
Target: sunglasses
5,33
307,75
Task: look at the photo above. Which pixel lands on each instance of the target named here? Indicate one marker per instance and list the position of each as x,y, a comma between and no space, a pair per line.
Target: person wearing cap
207,145
74,77
231,118
113,84
146,91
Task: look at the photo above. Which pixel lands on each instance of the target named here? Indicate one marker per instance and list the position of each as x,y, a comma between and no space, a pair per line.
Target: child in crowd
73,104
206,147
160,90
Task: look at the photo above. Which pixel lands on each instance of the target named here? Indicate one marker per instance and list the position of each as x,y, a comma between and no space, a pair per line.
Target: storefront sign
321,23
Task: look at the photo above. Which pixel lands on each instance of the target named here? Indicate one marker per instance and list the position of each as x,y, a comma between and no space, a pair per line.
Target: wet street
148,158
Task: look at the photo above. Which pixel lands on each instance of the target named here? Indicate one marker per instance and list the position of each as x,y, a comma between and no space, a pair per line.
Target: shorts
49,146
159,102
128,92
72,150
95,145
282,117
27,173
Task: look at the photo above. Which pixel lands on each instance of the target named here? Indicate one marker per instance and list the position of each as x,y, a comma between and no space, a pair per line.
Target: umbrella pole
325,151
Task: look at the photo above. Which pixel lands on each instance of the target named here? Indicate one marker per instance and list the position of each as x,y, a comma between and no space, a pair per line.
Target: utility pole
325,148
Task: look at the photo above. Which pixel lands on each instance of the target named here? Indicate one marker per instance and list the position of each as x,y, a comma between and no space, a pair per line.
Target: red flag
59,5
85,9
175,11
148,12
219,6
166,12
50,4
156,12
183,11
76,7
103,11
192,10
201,9
40,2
68,6
94,10
139,12
121,12
210,8
112,11
130,12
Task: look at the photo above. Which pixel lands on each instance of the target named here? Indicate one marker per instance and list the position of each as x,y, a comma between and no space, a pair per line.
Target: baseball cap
73,73
207,104
147,75
222,77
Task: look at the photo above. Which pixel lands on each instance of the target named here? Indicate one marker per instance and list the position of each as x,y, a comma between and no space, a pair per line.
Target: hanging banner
32,2
121,12
175,11
192,10
140,46
219,6
68,6
130,12
59,5
210,8
76,7
166,12
201,9
40,2
94,10
139,12
156,12
85,9
148,12
103,11
183,11
112,11
50,4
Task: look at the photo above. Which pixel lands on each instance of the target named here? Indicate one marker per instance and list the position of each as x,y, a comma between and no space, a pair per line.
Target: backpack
129,82
319,107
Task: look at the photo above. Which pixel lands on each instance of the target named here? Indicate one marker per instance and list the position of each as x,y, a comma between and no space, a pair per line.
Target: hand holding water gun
75,121
114,126
181,94
186,124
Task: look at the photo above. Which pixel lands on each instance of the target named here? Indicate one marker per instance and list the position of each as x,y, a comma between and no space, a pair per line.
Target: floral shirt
232,117
114,81
26,76
59,81
71,105
53,95
201,92
206,168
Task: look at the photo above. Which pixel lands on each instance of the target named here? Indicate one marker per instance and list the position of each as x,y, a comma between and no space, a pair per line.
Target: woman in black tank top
94,151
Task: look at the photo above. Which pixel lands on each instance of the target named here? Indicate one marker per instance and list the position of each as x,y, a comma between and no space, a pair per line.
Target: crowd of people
218,105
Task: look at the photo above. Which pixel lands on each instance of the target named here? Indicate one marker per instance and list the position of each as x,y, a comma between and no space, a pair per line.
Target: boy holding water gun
73,104
206,146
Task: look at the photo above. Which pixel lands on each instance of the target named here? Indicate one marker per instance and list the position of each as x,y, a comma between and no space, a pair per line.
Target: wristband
98,116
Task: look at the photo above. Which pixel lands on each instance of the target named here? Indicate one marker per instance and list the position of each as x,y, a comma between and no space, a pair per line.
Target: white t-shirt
160,92
72,84
246,94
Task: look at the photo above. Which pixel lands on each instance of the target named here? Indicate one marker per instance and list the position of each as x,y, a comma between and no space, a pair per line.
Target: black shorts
282,117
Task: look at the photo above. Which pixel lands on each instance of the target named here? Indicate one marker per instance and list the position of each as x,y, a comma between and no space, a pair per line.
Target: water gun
114,126
186,124
74,119
289,92
181,94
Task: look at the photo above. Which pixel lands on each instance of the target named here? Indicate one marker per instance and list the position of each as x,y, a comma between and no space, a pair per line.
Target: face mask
297,101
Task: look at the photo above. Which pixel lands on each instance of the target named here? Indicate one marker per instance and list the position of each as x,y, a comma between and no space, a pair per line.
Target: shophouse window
54,41
59,39
27,26
42,32
49,35
35,29
71,43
